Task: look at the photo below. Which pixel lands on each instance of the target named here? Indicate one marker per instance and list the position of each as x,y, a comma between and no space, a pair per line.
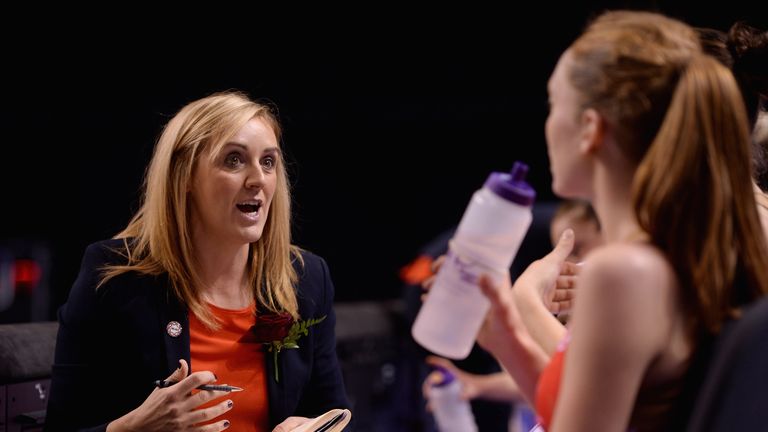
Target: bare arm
524,348
497,386
545,329
504,335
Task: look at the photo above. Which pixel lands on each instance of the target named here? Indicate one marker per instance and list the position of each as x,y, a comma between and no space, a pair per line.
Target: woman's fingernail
226,423
229,404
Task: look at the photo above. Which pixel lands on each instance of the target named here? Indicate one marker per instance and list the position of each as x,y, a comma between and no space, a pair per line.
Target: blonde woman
201,288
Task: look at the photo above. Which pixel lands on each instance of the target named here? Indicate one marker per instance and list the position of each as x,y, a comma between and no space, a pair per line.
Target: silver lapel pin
173,328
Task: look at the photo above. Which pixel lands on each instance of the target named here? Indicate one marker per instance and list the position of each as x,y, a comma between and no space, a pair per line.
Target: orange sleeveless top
549,385
233,356
653,404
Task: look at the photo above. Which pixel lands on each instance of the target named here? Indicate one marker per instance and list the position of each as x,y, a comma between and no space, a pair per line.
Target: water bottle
486,241
451,412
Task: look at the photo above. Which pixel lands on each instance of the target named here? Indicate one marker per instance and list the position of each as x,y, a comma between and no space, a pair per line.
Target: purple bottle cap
448,377
512,185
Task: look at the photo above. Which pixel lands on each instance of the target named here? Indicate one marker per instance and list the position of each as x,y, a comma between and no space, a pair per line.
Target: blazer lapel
278,404
276,394
174,320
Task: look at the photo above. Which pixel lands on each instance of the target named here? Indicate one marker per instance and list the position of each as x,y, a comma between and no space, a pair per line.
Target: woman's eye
233,160
269,162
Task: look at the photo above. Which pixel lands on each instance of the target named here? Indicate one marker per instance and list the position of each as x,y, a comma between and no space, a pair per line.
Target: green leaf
297,329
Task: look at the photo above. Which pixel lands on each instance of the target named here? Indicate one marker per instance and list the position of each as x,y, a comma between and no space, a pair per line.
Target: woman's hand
504,335
290,424
174,407
502,319
559,297
554,279
497,386
428,282
551,280
469,382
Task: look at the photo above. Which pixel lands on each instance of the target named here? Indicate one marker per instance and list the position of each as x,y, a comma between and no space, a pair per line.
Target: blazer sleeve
75,385
325,389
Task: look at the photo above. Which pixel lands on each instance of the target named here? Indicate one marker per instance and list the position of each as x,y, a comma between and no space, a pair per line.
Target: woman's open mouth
250,208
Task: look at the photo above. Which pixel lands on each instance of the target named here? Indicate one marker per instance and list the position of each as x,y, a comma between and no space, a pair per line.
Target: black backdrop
391,118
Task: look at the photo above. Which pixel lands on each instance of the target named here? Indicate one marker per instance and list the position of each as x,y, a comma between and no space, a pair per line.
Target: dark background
392,118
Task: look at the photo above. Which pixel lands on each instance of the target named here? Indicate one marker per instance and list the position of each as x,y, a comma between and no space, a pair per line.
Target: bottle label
467,269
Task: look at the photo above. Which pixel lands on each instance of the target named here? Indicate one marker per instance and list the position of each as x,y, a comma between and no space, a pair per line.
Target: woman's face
231,194
563,132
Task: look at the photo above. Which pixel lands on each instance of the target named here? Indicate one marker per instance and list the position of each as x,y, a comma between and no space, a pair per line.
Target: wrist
120,424
484,385
526,295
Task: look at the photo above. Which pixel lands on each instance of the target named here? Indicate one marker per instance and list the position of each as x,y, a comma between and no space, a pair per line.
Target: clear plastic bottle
486,242
451,412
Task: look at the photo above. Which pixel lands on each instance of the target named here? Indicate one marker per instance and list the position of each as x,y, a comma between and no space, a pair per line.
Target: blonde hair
678,115
158,239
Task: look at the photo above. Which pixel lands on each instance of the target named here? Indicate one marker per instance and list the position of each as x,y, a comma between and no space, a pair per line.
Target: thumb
181,372
563,247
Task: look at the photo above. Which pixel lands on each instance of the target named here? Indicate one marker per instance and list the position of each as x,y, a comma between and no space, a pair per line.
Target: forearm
543,327
120,425
524,359
498,387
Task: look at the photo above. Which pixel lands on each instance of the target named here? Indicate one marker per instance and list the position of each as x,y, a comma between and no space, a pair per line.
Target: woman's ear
592,131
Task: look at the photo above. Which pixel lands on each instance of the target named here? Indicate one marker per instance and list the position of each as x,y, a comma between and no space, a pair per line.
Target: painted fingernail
229,404
226,424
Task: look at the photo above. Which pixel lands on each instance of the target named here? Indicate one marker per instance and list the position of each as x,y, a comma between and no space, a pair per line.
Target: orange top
549,384
233,356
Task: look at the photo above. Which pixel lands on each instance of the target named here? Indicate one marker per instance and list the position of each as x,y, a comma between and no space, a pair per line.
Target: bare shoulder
629,267
633,287
624,315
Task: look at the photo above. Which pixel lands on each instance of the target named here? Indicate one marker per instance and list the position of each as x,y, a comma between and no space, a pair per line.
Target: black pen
226,388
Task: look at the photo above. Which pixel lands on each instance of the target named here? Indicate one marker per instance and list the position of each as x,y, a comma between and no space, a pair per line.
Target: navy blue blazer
113,344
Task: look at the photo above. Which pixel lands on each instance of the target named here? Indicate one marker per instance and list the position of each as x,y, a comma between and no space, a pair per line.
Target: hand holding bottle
486,241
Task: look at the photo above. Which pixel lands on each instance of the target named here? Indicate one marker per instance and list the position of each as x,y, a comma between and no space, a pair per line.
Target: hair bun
749,48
